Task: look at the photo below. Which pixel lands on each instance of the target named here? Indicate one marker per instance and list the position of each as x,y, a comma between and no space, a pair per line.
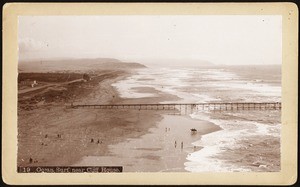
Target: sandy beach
163,148
52,135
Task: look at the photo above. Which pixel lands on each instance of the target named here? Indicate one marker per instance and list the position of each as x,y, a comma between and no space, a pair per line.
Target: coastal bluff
77,65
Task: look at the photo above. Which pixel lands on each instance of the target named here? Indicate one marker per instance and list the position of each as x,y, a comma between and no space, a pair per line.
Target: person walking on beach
181,145
175,143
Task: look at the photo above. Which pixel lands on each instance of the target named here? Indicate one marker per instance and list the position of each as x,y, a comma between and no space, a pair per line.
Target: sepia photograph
150,93
145,93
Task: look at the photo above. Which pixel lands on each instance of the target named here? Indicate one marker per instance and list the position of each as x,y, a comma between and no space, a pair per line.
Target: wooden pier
185,107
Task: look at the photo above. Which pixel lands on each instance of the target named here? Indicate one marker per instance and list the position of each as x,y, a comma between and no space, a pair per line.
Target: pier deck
185,106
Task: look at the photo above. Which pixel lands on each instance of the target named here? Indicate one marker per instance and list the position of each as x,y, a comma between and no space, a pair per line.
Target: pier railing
185,106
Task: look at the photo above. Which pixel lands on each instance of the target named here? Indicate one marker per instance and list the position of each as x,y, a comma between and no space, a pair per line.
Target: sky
190,39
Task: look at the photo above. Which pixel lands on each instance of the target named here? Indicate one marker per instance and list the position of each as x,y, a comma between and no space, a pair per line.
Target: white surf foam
171,81
215,143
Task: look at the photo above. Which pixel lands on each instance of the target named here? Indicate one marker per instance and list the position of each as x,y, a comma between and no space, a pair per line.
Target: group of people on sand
31,160
175,143
46,136
98,142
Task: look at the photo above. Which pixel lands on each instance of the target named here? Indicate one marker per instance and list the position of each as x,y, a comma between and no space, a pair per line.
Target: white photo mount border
289,13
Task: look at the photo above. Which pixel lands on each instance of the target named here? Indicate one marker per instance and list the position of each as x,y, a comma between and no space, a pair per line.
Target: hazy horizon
151,40
158,62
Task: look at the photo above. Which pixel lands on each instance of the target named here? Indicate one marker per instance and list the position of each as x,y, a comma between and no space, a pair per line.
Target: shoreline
49,133
97,136
205,128
155,151
246,148
39,128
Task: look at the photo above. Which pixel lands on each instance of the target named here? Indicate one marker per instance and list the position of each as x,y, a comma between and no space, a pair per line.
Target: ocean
247,140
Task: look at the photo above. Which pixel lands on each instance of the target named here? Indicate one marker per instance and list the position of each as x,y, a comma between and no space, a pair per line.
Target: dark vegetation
49,77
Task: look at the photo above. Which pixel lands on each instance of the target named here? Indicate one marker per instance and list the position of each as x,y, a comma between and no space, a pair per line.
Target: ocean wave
226,139
209,85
